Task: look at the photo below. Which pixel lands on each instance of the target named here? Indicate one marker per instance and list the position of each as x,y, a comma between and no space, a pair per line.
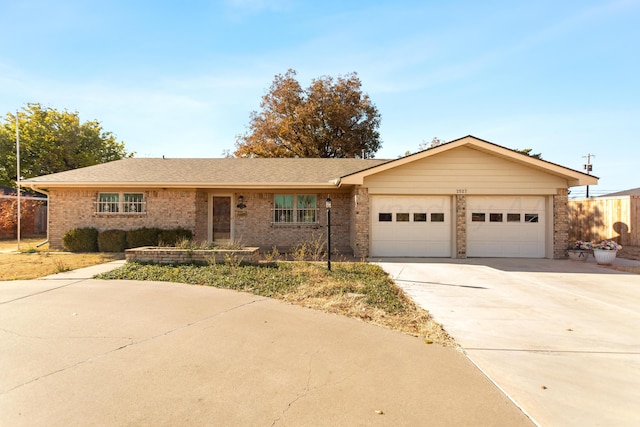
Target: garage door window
406,217
530,217
513,217
437,217
495,217
477,217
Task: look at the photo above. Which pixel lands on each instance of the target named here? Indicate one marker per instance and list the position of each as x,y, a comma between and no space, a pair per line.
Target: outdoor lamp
241,204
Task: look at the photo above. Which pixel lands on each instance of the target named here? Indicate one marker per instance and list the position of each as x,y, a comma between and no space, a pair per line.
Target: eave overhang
182,185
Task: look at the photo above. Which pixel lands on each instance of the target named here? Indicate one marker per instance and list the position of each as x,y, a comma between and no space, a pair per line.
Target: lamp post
328,205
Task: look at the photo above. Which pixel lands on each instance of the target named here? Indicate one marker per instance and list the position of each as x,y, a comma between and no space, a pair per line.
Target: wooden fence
606,218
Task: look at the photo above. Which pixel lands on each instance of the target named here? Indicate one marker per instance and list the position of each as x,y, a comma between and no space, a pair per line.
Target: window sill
295,225
118,214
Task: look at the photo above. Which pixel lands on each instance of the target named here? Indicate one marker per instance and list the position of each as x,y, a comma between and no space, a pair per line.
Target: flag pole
18,174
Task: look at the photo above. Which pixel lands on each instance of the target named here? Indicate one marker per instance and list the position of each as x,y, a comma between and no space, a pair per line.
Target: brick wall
254,226
71,209
185,256
560,223
200,234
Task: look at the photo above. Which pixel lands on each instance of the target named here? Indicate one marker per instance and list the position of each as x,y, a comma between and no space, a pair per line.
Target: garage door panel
420,235
517,204
505,237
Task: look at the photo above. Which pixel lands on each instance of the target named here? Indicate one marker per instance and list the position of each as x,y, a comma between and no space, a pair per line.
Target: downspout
32,187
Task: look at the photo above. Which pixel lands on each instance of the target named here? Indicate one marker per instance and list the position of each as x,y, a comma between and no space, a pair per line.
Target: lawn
32,262
354,289
25,244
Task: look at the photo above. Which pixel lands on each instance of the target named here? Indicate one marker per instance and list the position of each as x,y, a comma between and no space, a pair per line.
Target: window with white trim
295,209
121,203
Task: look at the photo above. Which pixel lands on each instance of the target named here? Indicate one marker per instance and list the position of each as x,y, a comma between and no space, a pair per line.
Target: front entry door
221,218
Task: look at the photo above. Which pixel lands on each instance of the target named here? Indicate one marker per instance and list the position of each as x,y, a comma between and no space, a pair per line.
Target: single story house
465,198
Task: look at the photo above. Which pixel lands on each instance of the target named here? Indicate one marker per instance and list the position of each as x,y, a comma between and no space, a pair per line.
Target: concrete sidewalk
79,351
86,272
562,338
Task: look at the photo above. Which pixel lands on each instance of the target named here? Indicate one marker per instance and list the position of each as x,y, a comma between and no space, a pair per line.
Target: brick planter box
163,255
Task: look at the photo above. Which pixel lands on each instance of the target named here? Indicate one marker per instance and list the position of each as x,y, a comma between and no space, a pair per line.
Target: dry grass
319,293
34,262
33,265
25,244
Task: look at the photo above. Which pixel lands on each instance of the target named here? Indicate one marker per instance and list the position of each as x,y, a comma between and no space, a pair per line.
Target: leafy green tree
527,152
53,141
331,118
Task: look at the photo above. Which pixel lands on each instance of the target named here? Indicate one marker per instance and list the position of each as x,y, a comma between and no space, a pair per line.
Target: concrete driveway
561,338
76,351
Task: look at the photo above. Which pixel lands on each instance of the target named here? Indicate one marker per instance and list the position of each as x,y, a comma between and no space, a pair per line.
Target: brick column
461,226
360,210
560,223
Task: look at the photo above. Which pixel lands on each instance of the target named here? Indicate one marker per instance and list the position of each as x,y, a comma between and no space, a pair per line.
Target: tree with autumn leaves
330,118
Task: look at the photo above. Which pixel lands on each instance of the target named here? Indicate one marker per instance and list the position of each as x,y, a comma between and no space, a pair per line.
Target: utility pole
588,167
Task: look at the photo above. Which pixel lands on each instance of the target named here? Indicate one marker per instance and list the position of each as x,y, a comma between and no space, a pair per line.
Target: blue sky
180,78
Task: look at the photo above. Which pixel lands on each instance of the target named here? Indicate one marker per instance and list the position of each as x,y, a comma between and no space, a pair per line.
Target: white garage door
411,226
506,227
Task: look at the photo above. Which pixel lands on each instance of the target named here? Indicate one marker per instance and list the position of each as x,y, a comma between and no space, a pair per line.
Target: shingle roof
208,172
631,192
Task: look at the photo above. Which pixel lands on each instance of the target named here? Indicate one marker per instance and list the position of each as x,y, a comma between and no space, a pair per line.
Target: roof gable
573,177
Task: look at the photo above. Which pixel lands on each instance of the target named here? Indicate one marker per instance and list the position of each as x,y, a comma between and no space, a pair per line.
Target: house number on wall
461,191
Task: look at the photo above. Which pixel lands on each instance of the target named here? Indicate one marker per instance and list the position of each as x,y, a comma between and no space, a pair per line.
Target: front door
221,218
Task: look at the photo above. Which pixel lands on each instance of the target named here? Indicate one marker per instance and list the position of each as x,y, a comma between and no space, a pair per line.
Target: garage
411,226
512,227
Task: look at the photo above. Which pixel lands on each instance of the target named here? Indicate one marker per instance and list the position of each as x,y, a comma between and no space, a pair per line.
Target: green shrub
112,241
173,236
81,240
142,237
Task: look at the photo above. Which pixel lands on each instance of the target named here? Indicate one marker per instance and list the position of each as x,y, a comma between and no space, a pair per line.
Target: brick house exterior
281,202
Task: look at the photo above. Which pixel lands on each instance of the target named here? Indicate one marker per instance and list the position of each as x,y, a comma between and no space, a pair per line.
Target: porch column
560,223
361,222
